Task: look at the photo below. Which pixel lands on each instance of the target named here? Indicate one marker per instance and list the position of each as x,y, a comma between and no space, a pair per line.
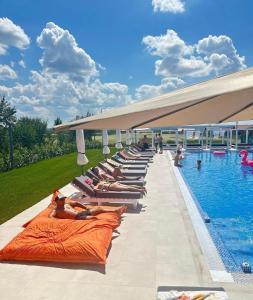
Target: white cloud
173,6
146,91
61,96
61,53
12,35
68,83
169,44
221,53
7,72
22,63
214,55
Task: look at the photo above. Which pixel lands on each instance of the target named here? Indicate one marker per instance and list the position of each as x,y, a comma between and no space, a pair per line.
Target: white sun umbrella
137,136
80,144
118,144
132,136
128,138
106,149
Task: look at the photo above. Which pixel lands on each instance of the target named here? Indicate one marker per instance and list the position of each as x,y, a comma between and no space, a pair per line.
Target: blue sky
63,58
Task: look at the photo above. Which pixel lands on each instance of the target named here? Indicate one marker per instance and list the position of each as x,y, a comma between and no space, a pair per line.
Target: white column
177,137
230,137
222,139
185,139
153,136
227,138
247,136
206,138
202,139
236,138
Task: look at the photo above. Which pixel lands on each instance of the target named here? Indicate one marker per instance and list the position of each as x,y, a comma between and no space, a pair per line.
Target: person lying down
65,210
103,185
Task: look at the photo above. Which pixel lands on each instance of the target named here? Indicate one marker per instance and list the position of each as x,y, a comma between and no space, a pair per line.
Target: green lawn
21,188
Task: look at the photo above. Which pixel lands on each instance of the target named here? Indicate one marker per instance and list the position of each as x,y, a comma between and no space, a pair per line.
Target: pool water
224,190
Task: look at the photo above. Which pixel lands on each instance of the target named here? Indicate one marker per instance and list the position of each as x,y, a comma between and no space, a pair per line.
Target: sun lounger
114,164
126,155
123,161
128,181
131,198
141,153
150,149
92,192
110,169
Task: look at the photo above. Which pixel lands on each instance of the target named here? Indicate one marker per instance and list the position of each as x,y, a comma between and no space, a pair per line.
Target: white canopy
224,99
106,149
80,144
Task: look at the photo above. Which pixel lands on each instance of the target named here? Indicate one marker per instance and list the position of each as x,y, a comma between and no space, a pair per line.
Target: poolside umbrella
223,99
106,149
132,136
128,138
80,144
118,144
137,135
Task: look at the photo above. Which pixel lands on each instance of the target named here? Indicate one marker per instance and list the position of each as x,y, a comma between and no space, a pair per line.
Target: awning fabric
224,99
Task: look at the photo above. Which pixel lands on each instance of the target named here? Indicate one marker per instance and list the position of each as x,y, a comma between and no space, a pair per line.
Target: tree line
27,140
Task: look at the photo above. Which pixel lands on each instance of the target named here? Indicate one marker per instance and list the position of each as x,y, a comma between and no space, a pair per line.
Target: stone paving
156,246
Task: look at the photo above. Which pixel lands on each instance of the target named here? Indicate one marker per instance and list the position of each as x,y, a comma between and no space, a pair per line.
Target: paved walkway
156,246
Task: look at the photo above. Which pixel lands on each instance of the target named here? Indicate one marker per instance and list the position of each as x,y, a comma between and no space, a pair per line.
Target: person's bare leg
96,211
116,186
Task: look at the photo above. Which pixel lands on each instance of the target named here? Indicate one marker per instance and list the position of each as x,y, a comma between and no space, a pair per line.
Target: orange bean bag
63,240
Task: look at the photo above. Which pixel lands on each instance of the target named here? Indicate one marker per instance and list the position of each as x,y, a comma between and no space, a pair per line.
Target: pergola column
236,135
247,136
177,137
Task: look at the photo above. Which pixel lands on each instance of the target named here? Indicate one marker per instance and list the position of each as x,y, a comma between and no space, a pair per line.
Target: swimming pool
223,189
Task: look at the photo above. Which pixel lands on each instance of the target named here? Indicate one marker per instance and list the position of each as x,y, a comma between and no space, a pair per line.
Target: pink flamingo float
244,160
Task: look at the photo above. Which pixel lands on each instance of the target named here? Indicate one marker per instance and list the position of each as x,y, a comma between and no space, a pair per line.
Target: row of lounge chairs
133,169
86,241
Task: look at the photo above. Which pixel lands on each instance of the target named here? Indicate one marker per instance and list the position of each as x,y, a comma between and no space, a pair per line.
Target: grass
22,188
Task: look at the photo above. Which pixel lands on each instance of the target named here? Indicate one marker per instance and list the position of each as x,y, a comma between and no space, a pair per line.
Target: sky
66,58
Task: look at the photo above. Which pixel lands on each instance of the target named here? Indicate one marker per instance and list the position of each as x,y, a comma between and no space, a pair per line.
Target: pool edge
214,261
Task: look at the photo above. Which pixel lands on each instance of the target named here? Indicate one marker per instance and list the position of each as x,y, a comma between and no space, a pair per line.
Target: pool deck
156,246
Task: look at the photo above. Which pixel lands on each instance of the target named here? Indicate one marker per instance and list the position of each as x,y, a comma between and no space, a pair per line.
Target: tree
57,121
30,131
7,120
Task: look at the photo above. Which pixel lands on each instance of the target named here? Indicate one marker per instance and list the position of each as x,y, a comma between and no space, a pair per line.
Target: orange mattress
63,240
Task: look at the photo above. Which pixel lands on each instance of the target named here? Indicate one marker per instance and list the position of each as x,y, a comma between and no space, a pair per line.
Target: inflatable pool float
219,152
245,160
